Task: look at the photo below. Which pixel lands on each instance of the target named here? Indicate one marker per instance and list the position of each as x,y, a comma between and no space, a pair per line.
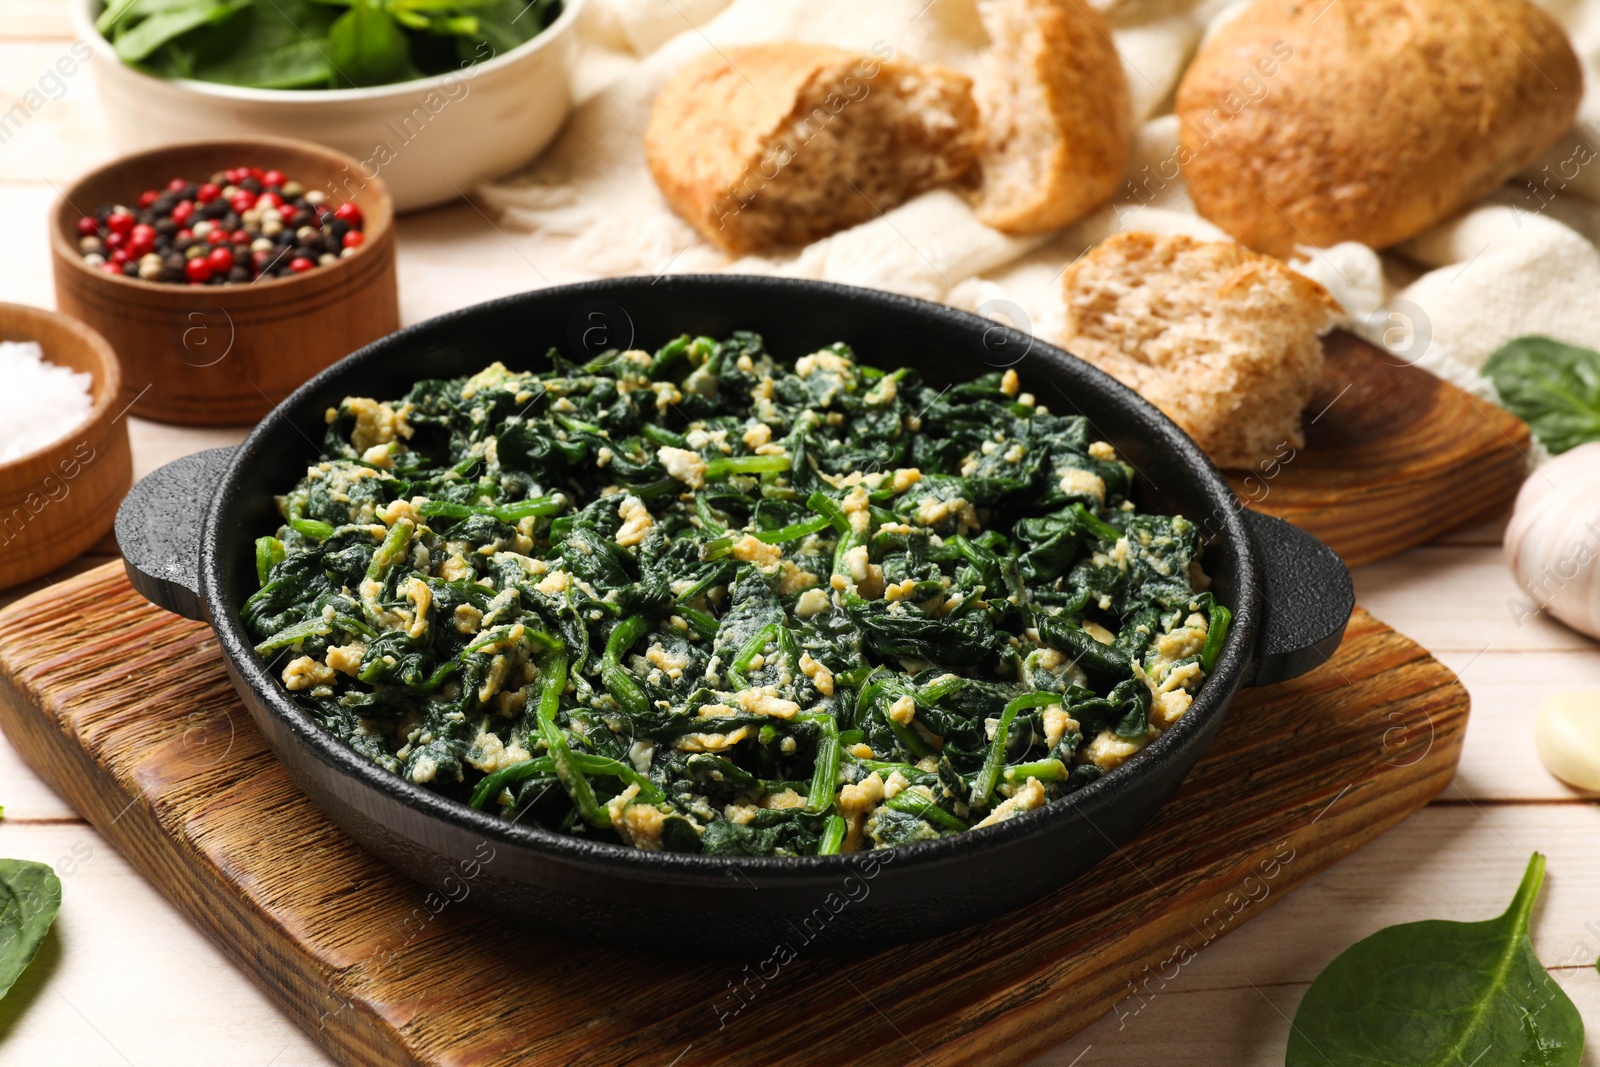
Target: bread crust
1222,339
1070,55
1379,118
718,127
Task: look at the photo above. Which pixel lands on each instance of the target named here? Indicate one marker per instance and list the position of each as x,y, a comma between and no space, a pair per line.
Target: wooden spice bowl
57,501
225,354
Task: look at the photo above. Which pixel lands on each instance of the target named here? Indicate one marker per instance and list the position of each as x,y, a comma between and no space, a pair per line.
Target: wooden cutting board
126,711
1393,458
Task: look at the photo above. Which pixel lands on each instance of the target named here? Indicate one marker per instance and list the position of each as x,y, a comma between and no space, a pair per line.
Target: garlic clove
1566,733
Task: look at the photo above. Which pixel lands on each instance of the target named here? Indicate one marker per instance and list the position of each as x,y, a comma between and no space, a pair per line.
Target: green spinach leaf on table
30,896
1440,994
1553,387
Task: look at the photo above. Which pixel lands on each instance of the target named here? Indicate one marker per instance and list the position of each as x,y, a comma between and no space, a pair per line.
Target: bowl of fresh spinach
436,96
241,539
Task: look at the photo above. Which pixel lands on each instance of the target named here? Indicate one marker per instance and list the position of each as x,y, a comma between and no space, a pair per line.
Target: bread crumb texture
1057,121
781,144
1368,120
1221,339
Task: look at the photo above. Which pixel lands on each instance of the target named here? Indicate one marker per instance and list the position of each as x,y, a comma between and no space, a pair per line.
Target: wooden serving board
1394,457
126,711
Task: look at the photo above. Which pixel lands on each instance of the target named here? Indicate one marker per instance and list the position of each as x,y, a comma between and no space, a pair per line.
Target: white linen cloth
1522,261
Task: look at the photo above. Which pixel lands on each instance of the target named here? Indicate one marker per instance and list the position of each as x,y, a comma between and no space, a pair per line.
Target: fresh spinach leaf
1553,387
281,45
367,47
292,44
138,41
1441,994
30,896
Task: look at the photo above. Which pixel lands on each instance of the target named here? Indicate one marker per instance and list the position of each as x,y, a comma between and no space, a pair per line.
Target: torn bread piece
1058,128
1222,339
780,144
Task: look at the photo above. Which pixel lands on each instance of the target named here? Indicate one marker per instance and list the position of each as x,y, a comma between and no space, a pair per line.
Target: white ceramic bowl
432,139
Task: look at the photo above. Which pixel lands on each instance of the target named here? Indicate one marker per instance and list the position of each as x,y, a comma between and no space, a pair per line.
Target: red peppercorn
198,269
300,264
261,260
220,259
87,227
137,247
354,238
266,200
243,202
177,185
115,239
289,215
217,236
240,237
348,212
110,267
253,172
183,212
118,257
119,222
184,234
148,197
273,178
208,192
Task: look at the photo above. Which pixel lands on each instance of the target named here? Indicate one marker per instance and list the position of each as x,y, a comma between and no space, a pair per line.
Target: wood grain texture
227,354
127,712
1393,458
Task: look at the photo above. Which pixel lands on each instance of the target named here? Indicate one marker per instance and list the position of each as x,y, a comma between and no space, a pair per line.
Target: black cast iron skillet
187,533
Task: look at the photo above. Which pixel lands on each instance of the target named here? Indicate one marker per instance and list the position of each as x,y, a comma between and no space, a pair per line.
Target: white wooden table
126,981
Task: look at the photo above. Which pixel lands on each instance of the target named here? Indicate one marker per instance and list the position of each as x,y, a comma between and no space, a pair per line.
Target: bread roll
1368,120
785,143
1221,339
1057,125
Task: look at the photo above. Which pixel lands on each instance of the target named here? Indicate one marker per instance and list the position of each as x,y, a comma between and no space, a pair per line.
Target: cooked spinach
702,600
1441,994
30,896
1553,387
314,44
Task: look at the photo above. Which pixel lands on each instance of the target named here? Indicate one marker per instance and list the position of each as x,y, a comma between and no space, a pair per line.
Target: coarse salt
40,402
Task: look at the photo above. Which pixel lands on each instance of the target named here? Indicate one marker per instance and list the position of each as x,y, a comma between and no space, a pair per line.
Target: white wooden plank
124,980
1231,1004
24,794
1452,861
25,276
60,131
456,256
1453,598
1498,760
38,19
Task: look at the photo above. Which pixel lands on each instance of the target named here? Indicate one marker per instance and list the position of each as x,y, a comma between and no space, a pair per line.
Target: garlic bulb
1553,541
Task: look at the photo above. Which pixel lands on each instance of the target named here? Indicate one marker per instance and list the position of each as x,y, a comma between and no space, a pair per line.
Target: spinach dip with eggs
701,600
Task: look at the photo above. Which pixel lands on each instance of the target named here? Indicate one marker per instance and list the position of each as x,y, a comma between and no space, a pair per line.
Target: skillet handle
158,530
1307,598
